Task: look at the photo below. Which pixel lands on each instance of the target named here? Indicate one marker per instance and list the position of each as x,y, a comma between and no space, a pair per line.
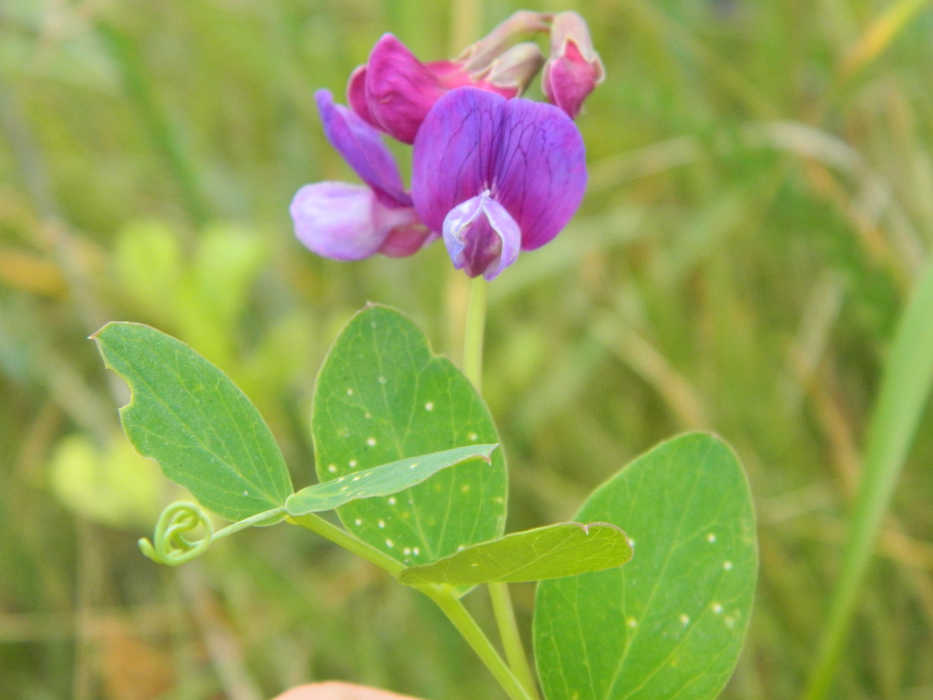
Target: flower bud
574,68
478,57
515,68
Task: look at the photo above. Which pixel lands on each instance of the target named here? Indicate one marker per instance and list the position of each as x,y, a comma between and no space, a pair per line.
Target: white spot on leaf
429,406
631,622
684,619
711,537
332,468
716,607
381,523
371,441
727,565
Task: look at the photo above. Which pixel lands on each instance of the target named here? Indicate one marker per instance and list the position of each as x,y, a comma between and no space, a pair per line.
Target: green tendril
172,545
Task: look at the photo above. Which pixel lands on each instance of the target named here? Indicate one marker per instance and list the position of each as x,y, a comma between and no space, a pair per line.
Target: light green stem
511,640
498,592
441,595
473,634
474,330
342,538
267,517
905,386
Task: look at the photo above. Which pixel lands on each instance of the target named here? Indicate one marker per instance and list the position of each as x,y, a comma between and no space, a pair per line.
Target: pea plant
647,592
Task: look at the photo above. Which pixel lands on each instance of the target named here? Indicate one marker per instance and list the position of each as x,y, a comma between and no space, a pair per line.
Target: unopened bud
478,57
574,68
515,68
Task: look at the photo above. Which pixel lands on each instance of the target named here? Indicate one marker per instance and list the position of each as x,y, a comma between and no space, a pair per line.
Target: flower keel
481,237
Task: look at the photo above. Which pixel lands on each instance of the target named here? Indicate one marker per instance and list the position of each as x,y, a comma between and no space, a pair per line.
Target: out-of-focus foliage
759,206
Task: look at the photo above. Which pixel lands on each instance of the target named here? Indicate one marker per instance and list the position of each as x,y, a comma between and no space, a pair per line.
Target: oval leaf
384,480
382,396
554,551
187,415
671,622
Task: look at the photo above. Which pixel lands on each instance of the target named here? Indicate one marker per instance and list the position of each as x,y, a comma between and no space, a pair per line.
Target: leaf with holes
383,480
382,396
553,551
671,621
188,416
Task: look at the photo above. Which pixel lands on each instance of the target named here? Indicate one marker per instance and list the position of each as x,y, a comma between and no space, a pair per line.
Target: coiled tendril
172,544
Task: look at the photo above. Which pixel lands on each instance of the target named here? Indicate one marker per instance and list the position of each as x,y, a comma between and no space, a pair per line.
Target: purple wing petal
344,222
529,156
362,147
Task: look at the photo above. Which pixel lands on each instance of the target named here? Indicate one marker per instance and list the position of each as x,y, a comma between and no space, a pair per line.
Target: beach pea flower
495,176
349,222
573,68
394,91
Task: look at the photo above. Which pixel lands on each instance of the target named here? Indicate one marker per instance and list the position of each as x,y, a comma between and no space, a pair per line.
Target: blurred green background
760,201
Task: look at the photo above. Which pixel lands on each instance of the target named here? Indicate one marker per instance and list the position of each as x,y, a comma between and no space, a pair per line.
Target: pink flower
394,91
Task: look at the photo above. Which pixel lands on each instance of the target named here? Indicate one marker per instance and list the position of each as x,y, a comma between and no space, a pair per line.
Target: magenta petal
342,221
356,95
400,89
362,147
406,240
481,237
527,155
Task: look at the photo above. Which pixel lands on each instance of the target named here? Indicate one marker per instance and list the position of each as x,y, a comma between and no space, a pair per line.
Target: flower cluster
492,173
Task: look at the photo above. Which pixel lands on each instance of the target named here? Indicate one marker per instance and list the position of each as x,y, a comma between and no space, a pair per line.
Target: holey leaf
188,416
382,396
383,480
670,623
553,551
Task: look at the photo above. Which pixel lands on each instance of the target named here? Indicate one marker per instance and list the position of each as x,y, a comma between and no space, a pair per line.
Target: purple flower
351,222
496,176
574,68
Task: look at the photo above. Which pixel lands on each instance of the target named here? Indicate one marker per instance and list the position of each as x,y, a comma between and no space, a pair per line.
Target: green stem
498,592
905,386
342,538
272,516
511,639
473,634
473,333
441,595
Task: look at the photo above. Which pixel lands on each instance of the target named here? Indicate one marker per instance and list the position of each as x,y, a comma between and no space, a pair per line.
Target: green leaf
382,396
553,551
384,480
186,414
671,622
